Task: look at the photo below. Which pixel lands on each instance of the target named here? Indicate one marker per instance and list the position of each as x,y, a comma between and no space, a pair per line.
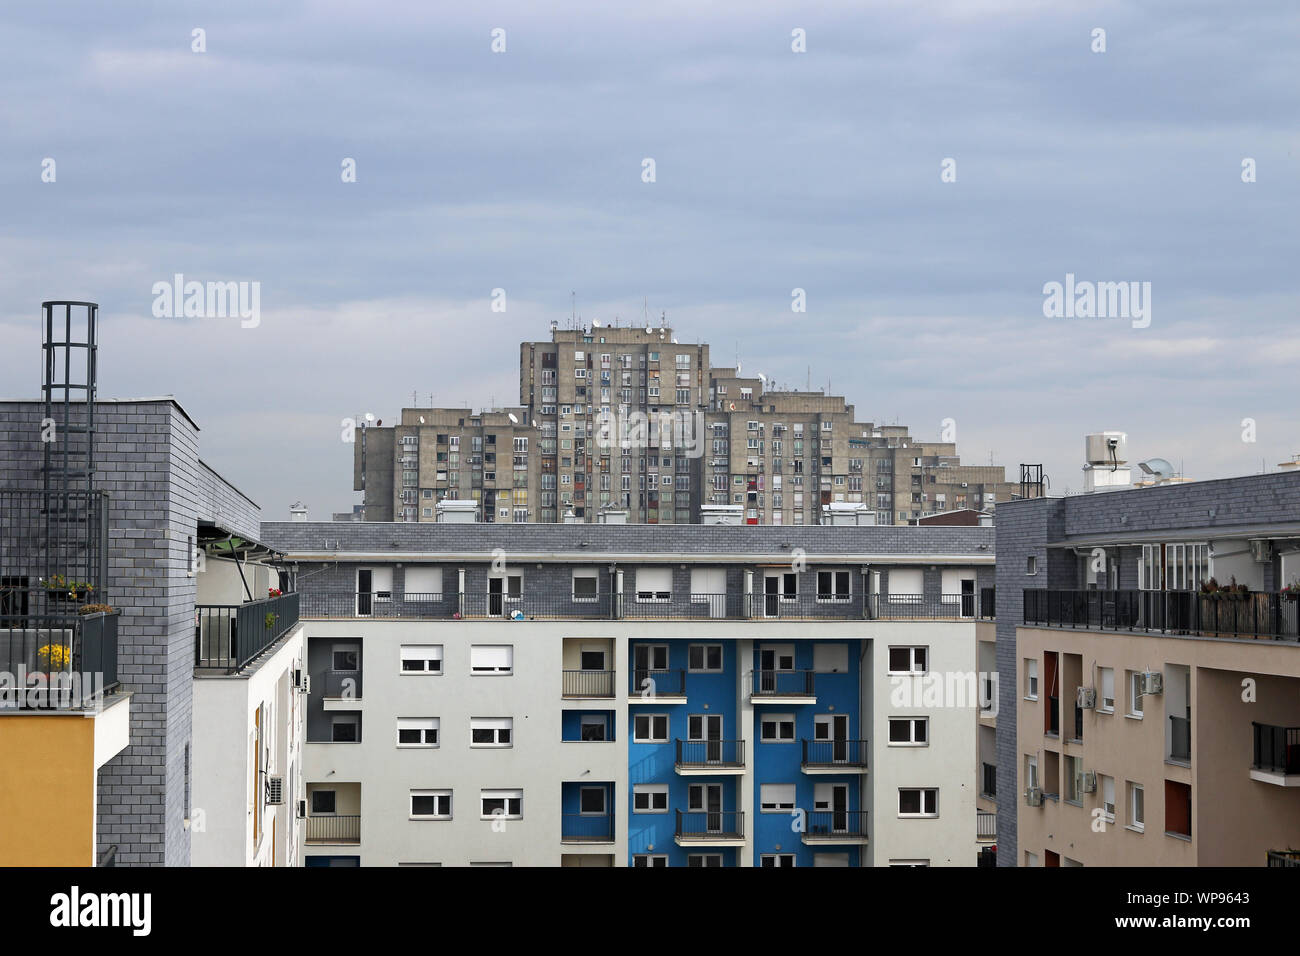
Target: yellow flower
54,655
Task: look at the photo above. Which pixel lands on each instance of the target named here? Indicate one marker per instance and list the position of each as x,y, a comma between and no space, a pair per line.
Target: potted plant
63,589
1292,591
273,592
270,619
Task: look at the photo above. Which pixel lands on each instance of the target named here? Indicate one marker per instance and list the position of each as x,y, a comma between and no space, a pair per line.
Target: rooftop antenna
573,310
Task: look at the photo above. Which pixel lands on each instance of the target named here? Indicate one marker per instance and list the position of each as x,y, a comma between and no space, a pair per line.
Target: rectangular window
704,859
650,798
650,860
654,584
491,731
1134,693
777,728
501,804
909,731
833,585
421,658
777,859
591,801
417,731
918,802
323,802
1107,702
1031,678
345,728
491,658
650,728
906,585
704,658
908,660
776,797
586,582
1137,811
423,581
1107,787
430,804
594,727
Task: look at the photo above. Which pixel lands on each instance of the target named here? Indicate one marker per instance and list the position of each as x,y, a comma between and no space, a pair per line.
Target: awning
220,542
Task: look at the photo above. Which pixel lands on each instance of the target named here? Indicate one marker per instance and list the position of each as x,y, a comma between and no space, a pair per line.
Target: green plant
95,609
271,618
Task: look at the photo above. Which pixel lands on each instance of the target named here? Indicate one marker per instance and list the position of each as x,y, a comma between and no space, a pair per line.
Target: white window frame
912,723
423,725
911,649
834,595
777,720
706,669
1134,695
1031,678
922,791
1137,796
585,574
653,595
496,725
420,652
410,805
504,795
653,718
1105,676
777,798
652,793
777,860
493,670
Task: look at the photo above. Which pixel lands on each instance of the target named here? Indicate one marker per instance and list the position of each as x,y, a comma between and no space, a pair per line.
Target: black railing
689,606
803,606
585,683
651,683
343,828
990,784
834,753
836,824
587,827
228,636
1221,614
1284,858
781,683
986,825
342,685
698,754
1180,738
922,607
58,661
705,825
988,603
1277,749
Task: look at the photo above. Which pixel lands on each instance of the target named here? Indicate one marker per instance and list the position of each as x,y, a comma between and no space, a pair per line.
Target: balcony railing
834,824
782,683
228,636
650,683
705,825
343,828
851,754
677,606
1277,749
1180,738
588,684
59,661
1284,858
342,685
986,825
710,754
1252,615
587,828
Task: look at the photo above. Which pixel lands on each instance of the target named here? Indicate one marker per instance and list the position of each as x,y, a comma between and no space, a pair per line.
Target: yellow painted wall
47,791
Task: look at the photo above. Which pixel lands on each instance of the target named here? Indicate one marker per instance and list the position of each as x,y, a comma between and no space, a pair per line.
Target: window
323,802
591,801
906,585
594,727
650,728
908,660
1134,693
417,732
655,860
421,658
909,731
345,658
704,859
702,658
776,797
654,584
1031,773
491,731
777,859
430,804
423,580
491,659
1031,564
1073,770
1137,810
650,798
918,802
1107,702
585,584
502,804
833,585
345,728
777,728
1107,787
1031,678
512,589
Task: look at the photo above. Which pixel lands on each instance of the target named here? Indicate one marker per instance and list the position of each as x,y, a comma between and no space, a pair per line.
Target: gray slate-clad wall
147,459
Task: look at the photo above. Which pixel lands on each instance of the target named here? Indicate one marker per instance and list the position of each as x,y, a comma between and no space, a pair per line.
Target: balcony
59,659
587,685
1246,616
1277,755
709,757
587,828
648,686
710,828
228,636
782,687
333,829
921,607
986,826
826,827
834,756
341,686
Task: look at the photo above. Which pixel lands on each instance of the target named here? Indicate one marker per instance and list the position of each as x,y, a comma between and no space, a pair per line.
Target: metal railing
834,753
1259,614
703,754
921,607
343,828
986,825
1180,738
651,683
1277,749
781,683
587,827
705,825
1284,858
58,661
228,636
833,824
584,683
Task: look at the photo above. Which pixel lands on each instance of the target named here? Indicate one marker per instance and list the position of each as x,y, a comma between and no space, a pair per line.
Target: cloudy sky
774,170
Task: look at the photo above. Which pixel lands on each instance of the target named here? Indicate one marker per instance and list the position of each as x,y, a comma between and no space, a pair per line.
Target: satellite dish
1158,467
649,331
761,377
370,417
675,342
421,419
513,420
595,324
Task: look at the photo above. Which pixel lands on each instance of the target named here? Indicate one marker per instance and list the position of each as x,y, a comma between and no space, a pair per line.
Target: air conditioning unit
274,790
302,809
1153,682
297,677
1087,698
1087,781
1034,797
306,683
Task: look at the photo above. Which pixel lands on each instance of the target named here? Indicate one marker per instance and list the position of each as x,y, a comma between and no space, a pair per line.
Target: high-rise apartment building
630,419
